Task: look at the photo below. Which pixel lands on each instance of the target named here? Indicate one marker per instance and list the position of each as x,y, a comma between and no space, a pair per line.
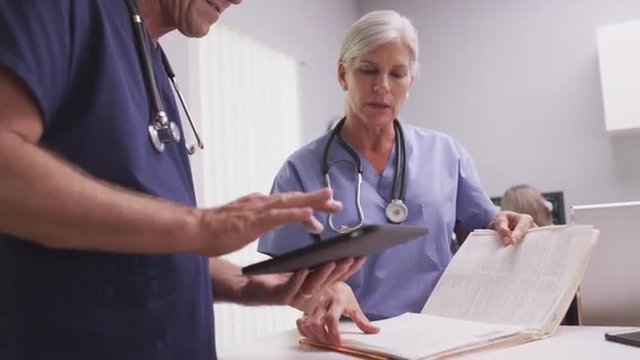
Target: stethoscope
396,211
161,130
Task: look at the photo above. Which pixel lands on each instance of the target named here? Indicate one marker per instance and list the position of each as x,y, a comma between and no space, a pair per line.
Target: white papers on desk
419,336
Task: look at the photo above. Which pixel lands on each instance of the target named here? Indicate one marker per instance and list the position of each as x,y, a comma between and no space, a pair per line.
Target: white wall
517,83
310,31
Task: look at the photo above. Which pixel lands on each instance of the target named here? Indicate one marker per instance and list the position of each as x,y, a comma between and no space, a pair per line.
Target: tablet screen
366,240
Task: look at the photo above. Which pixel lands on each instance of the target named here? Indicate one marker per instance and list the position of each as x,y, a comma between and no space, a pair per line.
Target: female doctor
410,176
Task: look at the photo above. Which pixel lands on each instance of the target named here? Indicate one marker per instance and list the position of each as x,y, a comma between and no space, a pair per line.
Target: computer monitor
610,290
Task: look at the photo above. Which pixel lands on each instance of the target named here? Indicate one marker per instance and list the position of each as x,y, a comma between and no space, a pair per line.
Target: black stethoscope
161,129
396,211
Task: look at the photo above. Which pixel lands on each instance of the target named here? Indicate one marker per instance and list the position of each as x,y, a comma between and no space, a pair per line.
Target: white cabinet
619,58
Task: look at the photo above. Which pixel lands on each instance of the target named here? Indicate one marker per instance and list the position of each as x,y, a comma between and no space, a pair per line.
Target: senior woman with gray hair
411,176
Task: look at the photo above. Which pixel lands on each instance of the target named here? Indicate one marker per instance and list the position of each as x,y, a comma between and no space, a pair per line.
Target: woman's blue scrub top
442,190
78,59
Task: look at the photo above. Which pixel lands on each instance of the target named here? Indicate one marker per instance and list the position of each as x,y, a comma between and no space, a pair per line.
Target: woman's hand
512,226
321,324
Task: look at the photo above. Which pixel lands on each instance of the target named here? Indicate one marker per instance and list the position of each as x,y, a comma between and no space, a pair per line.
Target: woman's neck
368,138
373,142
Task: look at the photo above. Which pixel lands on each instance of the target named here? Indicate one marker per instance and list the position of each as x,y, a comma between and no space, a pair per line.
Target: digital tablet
628,337
366,240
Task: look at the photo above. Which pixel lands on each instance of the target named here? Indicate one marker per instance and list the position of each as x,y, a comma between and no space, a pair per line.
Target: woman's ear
410,85
342,76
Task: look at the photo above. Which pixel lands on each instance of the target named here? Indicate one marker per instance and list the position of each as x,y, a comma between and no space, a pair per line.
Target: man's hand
300,289
232,226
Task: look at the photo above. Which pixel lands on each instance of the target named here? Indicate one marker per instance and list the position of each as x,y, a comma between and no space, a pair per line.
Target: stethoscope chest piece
159,134
396,211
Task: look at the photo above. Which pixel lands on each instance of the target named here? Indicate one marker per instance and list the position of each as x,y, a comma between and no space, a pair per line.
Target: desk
569,342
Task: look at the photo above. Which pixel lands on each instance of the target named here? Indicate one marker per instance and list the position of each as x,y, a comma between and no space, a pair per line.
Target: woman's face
377,83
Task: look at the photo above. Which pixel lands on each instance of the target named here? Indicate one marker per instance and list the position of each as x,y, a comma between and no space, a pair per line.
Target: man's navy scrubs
78,59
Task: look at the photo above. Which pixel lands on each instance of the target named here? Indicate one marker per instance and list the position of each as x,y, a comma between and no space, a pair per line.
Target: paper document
522,284
489,295
416,336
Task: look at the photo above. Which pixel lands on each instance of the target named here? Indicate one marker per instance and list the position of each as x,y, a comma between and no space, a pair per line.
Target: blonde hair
376,28
526,199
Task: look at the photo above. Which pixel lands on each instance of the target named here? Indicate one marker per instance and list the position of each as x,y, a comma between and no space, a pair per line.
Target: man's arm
226,280
48,201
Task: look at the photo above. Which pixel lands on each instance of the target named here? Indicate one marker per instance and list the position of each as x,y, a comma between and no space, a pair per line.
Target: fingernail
317,229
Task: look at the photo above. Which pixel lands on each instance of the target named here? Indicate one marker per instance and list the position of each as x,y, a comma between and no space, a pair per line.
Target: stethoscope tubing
396,206
191,149
346,228
161,130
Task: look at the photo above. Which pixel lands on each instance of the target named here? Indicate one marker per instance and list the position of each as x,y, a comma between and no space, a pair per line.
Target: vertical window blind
250,122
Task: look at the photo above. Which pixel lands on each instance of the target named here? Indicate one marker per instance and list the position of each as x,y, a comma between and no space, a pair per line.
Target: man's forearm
48,201
226,281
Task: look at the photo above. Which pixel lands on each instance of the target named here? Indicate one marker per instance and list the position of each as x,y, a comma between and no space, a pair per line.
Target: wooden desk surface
569,342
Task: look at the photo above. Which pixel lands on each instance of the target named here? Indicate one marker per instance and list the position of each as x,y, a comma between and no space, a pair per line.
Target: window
249,113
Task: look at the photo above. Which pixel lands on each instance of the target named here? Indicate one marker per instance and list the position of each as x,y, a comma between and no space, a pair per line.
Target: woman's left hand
512,226
321,323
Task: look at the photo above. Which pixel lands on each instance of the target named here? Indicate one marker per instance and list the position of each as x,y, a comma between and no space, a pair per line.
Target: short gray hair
376,28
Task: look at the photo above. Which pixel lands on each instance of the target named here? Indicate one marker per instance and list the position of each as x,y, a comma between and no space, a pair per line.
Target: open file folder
489,295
